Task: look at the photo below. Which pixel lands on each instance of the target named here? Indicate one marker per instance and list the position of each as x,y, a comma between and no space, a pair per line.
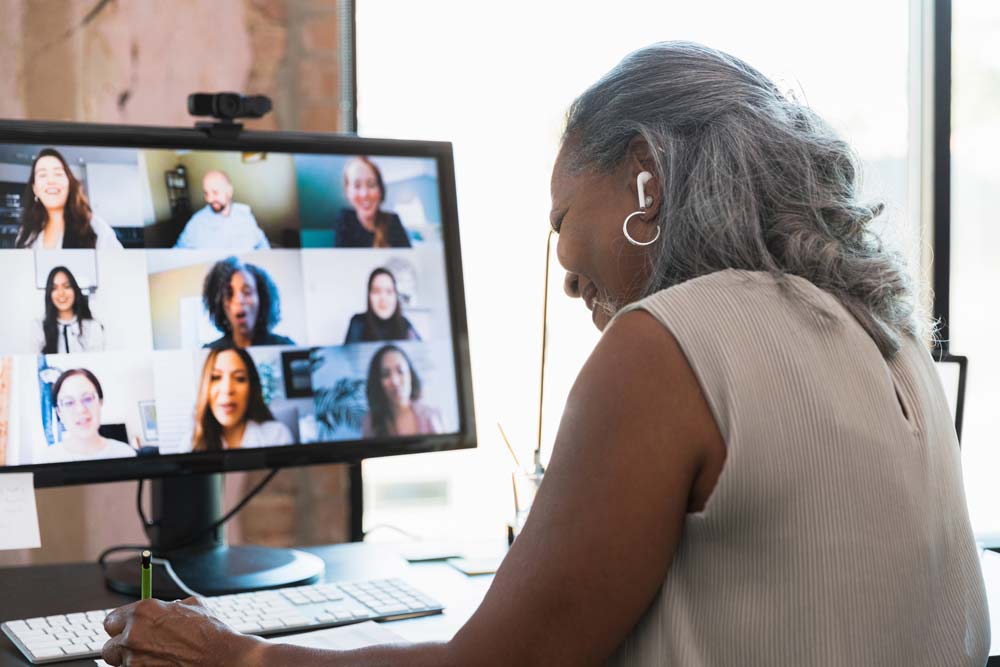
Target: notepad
18,513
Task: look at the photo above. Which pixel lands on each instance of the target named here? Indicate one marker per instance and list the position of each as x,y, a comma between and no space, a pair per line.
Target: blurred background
496,80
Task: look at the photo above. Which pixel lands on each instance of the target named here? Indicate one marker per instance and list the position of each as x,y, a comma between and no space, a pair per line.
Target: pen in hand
147,575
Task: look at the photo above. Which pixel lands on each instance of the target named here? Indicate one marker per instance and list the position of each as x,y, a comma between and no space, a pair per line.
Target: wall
157,163
6,368
135,62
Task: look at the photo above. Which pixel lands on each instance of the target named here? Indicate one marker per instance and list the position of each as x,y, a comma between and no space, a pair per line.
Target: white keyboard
74,636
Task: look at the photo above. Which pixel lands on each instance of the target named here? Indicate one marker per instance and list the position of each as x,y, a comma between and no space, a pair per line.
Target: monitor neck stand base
183,506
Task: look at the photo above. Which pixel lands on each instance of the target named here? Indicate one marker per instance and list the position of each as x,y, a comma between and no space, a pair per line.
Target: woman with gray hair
776,479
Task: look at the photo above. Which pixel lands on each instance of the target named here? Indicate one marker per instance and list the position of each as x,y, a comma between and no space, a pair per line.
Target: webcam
228,106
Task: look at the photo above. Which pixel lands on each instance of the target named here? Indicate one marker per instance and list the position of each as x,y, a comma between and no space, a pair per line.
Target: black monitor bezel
170,465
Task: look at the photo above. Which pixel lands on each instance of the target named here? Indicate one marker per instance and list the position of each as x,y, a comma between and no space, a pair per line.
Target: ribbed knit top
837,533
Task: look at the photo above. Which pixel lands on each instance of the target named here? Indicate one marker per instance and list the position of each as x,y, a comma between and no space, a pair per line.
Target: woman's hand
150,633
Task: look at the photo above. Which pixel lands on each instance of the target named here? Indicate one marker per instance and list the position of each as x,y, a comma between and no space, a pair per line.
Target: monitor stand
183,506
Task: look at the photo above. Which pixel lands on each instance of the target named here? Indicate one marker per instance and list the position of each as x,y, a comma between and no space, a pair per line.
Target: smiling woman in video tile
57,213
365,224
79,398
68,325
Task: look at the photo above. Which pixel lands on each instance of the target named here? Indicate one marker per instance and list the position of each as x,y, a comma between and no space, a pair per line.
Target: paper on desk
18,514
343,638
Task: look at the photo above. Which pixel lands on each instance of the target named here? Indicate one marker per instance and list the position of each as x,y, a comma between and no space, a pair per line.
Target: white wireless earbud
640,185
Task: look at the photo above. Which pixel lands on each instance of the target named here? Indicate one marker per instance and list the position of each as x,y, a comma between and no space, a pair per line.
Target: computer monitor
182,302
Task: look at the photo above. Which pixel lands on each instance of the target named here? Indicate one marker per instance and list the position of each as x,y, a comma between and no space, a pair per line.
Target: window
974,321
496,81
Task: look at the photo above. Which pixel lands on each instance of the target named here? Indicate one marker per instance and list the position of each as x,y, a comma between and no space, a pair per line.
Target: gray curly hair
750,180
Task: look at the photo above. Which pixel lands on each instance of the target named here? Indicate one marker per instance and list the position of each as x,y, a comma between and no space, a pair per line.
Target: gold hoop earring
629,236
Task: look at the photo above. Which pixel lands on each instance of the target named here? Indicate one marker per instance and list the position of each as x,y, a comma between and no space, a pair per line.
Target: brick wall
113,61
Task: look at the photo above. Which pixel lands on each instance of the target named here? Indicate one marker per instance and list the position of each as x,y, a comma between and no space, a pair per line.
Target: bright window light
496,80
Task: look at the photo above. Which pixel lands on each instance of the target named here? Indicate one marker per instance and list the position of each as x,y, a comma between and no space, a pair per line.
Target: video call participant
394,407
68,325
78,398
365,225
243,303
383,320
230,412
56,213
222,223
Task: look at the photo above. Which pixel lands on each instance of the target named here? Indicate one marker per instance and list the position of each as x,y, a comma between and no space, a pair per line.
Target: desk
26,592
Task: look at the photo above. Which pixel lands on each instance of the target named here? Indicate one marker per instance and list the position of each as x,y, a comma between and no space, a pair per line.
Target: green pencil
147,576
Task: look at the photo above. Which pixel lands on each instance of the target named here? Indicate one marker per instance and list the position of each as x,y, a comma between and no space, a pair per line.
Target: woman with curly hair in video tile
56,212
243,304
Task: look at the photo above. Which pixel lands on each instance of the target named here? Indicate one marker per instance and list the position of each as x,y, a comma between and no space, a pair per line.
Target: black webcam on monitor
228,106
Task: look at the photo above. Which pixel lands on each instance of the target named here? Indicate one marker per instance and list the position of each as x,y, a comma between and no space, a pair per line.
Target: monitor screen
178,302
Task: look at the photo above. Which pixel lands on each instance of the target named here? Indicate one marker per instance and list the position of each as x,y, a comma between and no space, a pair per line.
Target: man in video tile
222,223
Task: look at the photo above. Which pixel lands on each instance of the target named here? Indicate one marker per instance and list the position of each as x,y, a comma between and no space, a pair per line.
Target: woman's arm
598,543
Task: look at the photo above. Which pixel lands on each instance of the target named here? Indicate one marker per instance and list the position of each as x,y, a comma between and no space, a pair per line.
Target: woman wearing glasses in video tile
79,398
68,325
757,464
56,213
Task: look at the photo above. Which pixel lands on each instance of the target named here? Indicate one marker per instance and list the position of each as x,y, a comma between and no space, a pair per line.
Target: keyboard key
48,653
247,627
391,609
18,626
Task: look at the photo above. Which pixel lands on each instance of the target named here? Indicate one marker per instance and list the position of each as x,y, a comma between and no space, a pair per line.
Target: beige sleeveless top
838,532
